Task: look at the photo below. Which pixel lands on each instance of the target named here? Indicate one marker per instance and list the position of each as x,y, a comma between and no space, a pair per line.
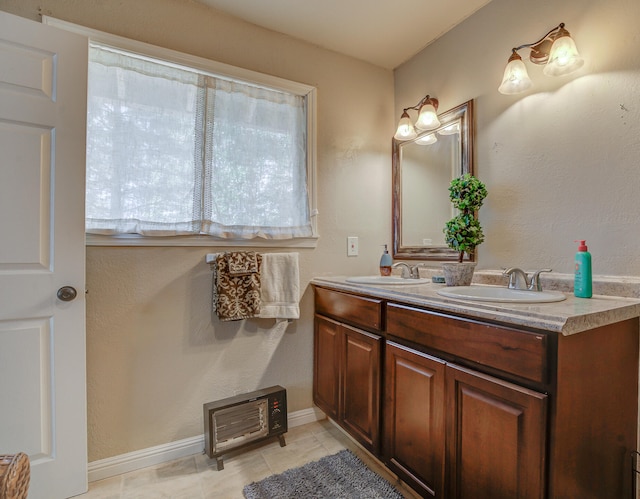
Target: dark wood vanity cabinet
326,366
414,418
469,409
360,386
494,430
347,365
496,437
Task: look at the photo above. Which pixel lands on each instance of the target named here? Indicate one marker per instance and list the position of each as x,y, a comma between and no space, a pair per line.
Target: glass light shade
427,140
563,58
515,79
405,129
451,129
428,118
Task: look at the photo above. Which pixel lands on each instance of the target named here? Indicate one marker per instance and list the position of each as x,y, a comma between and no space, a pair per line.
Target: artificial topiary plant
463,232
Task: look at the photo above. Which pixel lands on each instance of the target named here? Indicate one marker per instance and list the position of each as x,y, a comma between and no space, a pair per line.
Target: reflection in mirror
427,167
422,171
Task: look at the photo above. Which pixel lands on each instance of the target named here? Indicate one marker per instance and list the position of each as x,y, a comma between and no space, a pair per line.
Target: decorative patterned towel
237,283
243,262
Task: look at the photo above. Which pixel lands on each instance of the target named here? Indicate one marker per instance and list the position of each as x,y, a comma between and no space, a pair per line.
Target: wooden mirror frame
464,112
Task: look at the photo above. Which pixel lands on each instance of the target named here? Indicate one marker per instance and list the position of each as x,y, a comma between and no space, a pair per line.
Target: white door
42,338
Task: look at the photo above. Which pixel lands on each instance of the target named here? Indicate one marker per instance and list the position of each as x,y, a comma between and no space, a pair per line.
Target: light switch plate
352,246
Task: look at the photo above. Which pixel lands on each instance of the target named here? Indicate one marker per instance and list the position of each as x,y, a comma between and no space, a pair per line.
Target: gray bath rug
340,476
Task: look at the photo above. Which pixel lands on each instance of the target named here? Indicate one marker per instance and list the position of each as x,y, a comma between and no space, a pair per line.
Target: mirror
422,171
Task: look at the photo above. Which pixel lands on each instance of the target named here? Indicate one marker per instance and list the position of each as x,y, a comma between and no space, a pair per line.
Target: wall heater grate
237,421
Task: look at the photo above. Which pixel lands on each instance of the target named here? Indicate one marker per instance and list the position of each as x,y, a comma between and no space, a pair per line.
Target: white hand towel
280,286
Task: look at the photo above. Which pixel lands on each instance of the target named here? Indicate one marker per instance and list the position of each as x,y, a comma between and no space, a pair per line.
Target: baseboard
131,461
305,416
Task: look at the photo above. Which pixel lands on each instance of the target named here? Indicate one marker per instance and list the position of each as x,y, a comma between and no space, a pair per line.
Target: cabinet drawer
512,351
356,310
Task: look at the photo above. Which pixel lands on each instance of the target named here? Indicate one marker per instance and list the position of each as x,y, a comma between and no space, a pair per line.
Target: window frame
223,70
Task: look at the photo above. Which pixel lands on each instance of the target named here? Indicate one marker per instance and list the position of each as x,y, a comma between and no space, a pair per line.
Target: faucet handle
535,280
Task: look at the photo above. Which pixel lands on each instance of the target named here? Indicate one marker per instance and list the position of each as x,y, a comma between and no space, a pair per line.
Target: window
174,150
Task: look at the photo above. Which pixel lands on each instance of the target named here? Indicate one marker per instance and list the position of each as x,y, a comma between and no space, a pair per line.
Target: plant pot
458,274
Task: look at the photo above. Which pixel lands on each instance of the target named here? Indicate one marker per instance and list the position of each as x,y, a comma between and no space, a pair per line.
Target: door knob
67,293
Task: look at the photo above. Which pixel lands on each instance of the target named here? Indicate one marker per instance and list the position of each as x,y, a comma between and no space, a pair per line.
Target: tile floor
196,477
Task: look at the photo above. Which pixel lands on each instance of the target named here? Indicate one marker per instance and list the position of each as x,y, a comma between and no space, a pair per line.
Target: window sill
134,240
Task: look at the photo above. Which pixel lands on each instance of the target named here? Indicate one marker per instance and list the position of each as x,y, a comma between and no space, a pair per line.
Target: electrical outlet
352,246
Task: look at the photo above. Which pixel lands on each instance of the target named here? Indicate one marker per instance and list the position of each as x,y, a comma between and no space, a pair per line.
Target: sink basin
500,294
379,279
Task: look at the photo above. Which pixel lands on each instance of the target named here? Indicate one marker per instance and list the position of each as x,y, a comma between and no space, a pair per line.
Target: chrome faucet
406,270
409,272
518,279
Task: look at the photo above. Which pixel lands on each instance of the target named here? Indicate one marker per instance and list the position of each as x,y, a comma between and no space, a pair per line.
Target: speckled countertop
567,317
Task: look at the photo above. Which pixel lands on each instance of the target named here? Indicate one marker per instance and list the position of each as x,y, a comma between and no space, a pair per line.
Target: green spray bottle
583,279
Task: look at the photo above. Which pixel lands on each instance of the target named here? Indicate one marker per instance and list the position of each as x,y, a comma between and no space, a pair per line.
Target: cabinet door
414,418
326,365
495,437
360,381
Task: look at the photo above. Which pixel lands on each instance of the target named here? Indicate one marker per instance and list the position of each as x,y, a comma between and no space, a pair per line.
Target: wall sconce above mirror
423,168
556,50
427,119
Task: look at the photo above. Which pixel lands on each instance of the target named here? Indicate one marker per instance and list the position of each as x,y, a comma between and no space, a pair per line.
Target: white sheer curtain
174,152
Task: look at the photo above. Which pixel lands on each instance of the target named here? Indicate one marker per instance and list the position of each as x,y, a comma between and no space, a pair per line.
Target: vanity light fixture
427,119
556,50
427,140
451,129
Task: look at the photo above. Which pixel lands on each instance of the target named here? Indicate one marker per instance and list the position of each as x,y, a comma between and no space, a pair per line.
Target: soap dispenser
385,262
583,279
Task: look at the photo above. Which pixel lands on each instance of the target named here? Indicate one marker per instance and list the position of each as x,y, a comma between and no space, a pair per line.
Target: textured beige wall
560,162
154,354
